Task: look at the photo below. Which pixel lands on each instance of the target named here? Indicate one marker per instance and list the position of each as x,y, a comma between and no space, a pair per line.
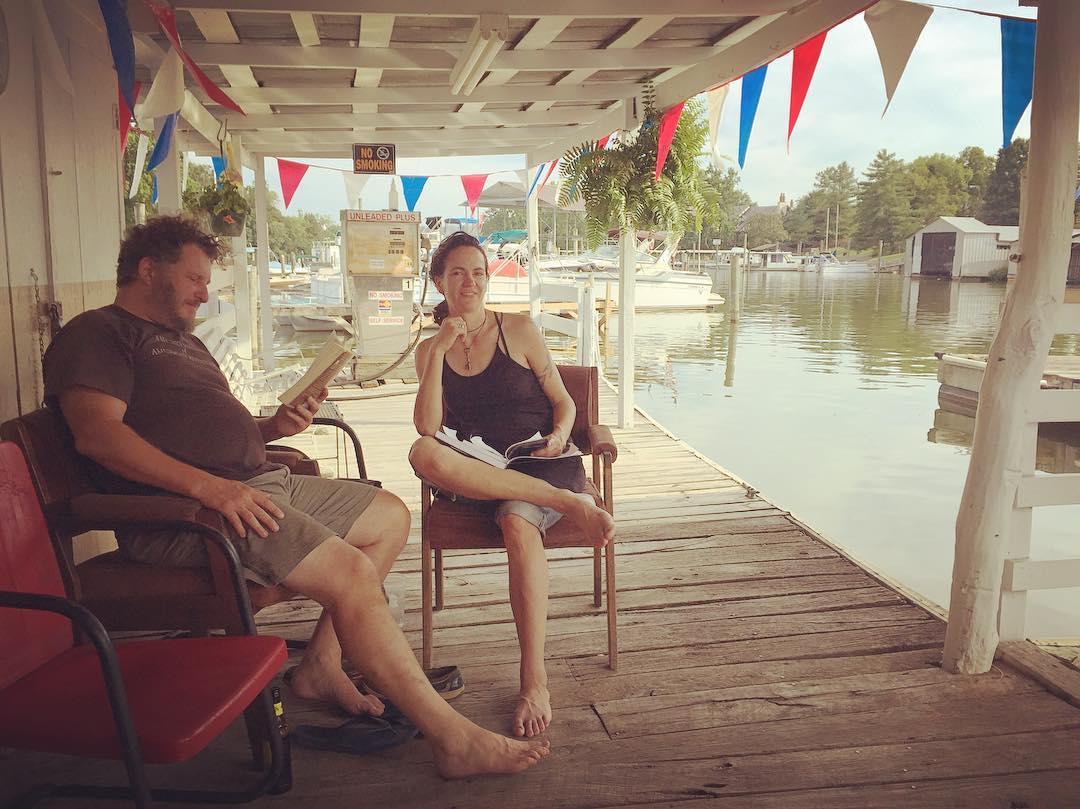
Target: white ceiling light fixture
484,43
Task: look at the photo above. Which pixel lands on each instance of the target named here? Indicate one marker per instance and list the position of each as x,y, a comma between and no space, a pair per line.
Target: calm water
823,397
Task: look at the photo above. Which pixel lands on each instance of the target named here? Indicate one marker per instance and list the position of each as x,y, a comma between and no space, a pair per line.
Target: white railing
584,329
1022,574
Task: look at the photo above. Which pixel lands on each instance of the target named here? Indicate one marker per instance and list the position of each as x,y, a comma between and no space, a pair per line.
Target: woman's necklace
468,348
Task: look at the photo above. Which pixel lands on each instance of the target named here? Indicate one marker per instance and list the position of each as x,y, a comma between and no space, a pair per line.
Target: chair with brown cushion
450,525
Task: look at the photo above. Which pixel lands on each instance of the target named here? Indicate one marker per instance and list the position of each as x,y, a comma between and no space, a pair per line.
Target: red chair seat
182,694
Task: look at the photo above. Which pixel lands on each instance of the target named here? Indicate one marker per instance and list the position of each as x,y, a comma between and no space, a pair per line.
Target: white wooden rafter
217,27
376,31
599,9
306,31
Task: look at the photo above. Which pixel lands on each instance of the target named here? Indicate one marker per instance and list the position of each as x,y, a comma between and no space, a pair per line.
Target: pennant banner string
669,122
752,83
121,45
895,28
290,174
412,187
803,64
1017,72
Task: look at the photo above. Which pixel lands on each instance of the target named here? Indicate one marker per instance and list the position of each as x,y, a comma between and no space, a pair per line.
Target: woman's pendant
468,366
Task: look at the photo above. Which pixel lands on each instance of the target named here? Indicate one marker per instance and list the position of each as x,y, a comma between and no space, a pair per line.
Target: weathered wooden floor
758,668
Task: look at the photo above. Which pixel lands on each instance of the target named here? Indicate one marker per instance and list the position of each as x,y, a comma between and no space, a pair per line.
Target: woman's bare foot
533,713
331,684
597,524
481,752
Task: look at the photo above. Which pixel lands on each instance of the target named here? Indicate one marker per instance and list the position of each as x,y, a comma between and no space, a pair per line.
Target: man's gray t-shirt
177,398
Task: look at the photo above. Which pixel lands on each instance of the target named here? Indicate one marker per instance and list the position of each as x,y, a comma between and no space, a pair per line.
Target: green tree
1001,203
725,200
765,229
146,182
883,208
936,185
981,165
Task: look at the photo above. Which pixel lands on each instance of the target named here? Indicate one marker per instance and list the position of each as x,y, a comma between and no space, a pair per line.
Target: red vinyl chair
157,701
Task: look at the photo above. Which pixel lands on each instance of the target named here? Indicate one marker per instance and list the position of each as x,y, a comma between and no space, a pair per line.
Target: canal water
823,397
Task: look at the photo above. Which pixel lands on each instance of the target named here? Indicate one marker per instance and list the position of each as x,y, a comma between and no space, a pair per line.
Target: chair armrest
358,451
602,442
107,512
298,463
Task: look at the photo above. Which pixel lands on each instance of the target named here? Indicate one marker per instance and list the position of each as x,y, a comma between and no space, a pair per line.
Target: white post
532,218
733,292
1014,367
168,180
590,354
241,286
262,265
627,266
828,212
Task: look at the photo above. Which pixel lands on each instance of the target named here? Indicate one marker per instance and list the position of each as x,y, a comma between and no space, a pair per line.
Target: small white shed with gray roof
958,247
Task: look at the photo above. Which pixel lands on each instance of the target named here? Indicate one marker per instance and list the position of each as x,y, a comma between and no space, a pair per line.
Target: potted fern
618,186
225,205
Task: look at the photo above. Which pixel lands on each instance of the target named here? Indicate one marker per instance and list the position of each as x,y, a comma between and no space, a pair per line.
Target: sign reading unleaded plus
374,158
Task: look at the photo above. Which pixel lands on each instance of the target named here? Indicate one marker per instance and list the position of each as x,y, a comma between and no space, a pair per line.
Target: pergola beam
218,28
602,9
390,120
320,94
306,31
329,56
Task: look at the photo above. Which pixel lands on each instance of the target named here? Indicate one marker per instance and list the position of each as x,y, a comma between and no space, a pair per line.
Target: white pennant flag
354,187
716,98
895,27
48,51
140,161
166,94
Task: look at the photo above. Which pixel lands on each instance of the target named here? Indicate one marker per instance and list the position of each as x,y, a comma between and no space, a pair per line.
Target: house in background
959,247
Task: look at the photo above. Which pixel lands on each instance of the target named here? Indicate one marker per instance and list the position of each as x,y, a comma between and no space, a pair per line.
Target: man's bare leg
379,533
347,584
475,479
529,602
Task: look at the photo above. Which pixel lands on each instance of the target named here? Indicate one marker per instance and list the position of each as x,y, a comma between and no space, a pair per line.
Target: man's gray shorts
315,510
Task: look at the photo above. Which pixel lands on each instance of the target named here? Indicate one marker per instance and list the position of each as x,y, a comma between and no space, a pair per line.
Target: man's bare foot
331,684
533,713
481,752
597,524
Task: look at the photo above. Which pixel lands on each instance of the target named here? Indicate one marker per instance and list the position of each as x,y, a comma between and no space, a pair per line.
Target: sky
948,98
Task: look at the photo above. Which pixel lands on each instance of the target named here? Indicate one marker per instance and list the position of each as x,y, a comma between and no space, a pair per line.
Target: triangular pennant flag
140,161
1017,72
669,122
715,99
153,190
219,166
166,18
164,139
48,51
290,174
543,182
123,115
412,187
166,94
474,187
803,64
752,83
536,179
354,187
603,142
122,46
895,27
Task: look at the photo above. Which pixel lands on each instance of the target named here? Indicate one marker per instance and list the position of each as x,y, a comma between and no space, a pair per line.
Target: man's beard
170,307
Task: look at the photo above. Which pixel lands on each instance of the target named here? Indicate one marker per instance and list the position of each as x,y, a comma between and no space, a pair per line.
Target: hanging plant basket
228,224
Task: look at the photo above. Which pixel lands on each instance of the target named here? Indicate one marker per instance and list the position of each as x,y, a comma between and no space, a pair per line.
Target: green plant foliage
225,198
618,185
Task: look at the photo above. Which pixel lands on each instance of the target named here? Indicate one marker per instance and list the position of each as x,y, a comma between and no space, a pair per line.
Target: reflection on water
830,412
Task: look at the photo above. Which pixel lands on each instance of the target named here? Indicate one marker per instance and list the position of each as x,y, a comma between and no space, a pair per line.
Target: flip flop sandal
446,680
358,736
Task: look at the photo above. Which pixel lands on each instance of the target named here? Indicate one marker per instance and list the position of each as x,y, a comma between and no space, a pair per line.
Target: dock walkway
758,668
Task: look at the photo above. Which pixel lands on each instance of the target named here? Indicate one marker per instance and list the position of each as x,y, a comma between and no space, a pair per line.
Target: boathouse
958,247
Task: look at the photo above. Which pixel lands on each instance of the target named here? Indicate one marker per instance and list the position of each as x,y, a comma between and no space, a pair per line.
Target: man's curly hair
162,238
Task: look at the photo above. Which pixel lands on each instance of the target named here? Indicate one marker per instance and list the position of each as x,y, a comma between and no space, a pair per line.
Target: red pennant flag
123,114
166,18
290,174
669,121
803,66
602,143
474,187
543,182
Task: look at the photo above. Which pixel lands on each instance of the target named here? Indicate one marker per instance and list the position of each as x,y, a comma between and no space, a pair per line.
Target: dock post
733,283
627,266
532,218
262,266
1014,366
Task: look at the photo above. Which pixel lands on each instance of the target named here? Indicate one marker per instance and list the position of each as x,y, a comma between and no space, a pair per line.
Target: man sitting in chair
149,407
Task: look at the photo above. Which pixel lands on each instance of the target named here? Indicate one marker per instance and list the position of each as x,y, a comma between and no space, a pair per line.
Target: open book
330,360
520,451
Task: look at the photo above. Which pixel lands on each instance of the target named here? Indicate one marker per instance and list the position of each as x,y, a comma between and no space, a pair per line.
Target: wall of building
979,255
60,205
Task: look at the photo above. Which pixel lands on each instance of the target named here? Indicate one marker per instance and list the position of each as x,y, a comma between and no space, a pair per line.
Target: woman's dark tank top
503,404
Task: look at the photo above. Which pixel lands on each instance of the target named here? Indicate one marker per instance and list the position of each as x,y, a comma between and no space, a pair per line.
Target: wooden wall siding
758,668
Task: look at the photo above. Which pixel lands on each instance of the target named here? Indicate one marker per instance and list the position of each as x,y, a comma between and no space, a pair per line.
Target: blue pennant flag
752,83
413,188
164,138
536,179
219,166
122,46
1017,71
153,193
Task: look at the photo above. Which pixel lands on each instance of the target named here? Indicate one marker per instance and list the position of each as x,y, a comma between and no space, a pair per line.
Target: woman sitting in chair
491,375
